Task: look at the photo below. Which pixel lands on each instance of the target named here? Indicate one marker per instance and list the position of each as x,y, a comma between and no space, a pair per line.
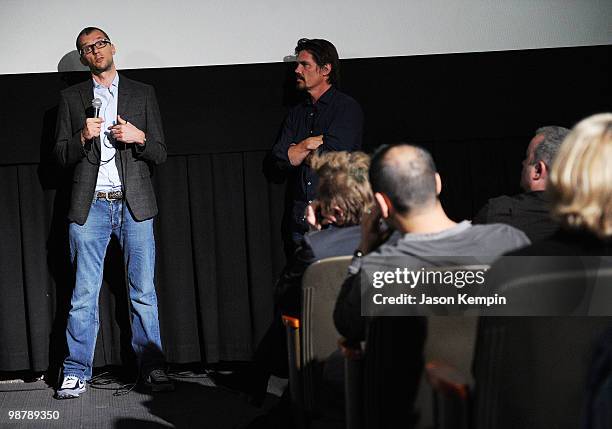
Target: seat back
451,339
444,402
449,350
601,297
530,372
320,287
396,349
558,286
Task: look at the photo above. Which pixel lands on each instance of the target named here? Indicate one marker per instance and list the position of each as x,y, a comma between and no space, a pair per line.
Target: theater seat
449,351
529,372
313,338
449,338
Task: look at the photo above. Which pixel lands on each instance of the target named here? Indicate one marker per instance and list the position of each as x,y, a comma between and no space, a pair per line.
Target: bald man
406,188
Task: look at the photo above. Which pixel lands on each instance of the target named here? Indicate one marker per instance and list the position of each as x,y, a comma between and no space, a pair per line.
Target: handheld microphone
96,103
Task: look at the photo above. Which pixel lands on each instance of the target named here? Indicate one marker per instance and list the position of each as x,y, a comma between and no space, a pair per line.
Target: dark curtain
218,239
218,253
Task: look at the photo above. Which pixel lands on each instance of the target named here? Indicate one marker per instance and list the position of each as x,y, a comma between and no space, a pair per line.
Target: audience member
344,195
406,187
334,218
530,210
580,187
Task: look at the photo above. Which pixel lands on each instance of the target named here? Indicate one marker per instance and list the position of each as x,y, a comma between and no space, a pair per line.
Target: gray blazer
136,104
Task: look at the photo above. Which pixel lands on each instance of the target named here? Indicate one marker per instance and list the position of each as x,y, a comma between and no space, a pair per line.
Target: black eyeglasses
98,45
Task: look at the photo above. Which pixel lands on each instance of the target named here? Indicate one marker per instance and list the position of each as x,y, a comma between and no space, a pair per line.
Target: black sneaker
72,387
158,381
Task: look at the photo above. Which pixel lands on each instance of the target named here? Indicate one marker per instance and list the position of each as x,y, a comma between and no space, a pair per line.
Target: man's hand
373,234
126,132
314,218
312,143
311,216
298,152
91,129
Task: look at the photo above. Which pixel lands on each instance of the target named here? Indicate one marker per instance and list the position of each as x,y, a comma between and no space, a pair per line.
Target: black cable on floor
105,379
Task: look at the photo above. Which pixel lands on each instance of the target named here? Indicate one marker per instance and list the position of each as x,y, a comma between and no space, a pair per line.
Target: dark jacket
315,246
136,104
529,212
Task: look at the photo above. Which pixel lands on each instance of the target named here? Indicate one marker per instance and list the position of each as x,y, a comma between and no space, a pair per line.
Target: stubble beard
99,70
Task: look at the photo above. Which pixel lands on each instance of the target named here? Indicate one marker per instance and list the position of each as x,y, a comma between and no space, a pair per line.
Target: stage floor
196,402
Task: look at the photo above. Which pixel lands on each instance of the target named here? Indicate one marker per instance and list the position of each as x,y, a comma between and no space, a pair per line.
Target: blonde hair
580,181
343,182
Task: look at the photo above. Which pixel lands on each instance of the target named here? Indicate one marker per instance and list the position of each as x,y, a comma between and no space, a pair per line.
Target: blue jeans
88,245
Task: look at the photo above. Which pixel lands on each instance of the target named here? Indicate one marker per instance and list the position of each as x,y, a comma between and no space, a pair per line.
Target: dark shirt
529,212
339,119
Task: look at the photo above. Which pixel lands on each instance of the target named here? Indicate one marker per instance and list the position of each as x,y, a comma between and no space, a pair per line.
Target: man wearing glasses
327,120
109,129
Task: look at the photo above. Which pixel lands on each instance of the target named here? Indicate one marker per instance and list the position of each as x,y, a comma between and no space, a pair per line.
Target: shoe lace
70,380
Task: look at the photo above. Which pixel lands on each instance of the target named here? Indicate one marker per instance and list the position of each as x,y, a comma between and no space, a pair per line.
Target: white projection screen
39,36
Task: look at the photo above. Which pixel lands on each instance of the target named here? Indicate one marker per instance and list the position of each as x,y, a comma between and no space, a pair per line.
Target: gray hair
548,148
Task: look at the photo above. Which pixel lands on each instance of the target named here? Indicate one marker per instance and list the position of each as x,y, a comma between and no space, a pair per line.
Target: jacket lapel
125,93
86,91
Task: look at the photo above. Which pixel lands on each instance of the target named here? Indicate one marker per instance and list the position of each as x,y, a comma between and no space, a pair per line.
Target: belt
114,195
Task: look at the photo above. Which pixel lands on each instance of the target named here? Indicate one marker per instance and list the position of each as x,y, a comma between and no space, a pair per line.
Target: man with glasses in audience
327,120
109,130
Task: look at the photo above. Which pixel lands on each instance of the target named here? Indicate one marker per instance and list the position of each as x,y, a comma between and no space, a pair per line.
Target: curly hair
343,182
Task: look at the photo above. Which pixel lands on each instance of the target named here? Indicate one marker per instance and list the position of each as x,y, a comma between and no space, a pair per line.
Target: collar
327,96
114,83
325,99
540,195
457,229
